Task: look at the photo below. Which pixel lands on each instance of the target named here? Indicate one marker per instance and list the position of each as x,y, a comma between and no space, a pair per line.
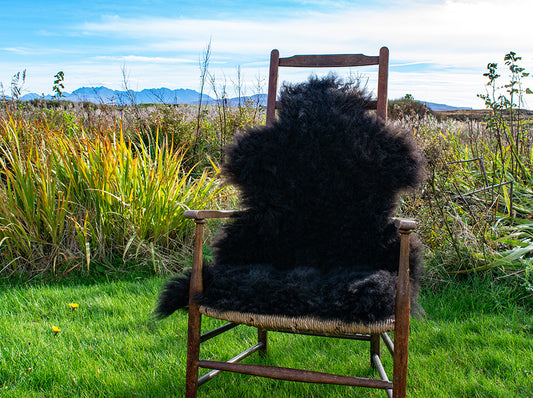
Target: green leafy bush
407,107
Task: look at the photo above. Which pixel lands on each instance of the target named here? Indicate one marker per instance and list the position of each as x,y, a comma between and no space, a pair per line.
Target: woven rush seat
299,324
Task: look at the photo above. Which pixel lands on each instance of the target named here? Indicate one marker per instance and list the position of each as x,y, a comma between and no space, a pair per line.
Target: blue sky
439,49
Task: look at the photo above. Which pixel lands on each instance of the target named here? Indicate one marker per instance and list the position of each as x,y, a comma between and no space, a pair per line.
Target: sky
439,49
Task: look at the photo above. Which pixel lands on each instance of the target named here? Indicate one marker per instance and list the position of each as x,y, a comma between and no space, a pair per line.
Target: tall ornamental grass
69,201
474,211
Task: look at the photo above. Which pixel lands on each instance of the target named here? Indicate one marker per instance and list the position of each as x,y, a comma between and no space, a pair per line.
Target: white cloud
17,50
35,50
140,59
439,49
456,33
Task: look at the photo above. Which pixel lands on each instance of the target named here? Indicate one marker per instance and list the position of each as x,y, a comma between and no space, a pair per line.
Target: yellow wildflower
73,306
55,329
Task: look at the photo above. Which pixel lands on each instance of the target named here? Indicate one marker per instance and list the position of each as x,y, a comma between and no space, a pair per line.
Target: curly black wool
318,187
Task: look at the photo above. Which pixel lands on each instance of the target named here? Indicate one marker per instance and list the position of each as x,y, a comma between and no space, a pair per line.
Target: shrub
407,107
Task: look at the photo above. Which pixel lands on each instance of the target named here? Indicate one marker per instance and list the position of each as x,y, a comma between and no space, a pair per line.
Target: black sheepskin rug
318,187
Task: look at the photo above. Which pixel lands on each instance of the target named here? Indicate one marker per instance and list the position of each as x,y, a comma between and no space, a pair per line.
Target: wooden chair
328,61
305,325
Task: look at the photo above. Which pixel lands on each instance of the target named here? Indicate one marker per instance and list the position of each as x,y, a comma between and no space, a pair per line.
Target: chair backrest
328,61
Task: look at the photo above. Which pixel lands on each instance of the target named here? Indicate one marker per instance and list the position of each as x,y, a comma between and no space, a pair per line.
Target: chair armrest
404,224
202,214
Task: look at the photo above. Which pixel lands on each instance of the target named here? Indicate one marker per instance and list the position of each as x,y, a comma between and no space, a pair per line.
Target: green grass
70,200
476,341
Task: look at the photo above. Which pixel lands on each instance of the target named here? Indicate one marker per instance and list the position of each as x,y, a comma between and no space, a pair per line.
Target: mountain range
442,107
104,95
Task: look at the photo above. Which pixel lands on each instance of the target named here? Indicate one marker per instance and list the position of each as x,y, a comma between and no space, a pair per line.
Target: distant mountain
104,95
442,107
258,99
94,94
28,97
165,95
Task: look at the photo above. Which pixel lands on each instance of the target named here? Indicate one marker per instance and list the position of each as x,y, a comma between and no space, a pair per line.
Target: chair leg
262,337
401,353
402,320
375,348
193,351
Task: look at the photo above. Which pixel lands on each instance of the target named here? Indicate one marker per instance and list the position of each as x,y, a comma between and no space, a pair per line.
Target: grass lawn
475,342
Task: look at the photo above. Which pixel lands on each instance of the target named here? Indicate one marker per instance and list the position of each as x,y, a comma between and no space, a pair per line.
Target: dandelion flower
55,329
73,306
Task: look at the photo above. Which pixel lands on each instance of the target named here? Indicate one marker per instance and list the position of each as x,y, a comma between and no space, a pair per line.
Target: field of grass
73,198
86,186
91,203
476,341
